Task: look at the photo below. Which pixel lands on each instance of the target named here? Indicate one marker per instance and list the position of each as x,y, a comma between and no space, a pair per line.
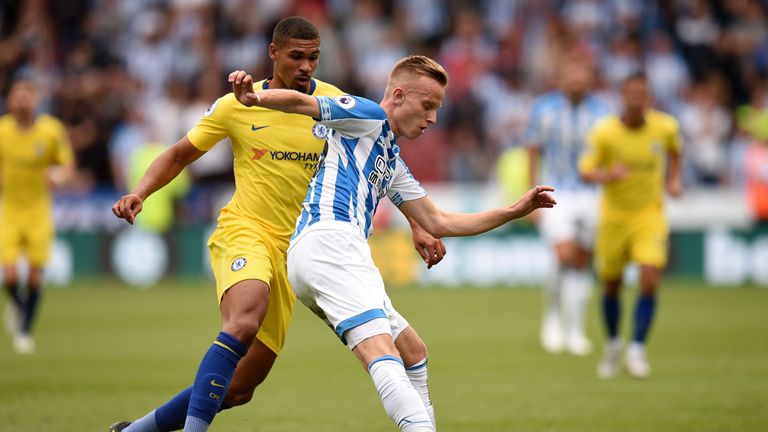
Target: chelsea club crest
320,130
238,264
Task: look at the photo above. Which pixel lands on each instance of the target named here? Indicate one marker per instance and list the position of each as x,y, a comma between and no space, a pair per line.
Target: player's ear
398,95
273,51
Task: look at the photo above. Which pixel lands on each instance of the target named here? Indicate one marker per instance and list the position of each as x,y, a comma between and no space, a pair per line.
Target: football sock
644,311
171,415
144,424
611,315
13,292
552,294
577,286
401,401
417,373
212,380
30,307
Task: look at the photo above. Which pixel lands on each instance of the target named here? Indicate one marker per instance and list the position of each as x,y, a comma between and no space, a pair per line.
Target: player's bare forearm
289,101
444,224
431,249
605,175
166,167
162,170
674,177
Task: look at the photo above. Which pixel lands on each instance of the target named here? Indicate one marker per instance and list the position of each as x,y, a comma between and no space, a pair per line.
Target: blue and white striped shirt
360,165
559,129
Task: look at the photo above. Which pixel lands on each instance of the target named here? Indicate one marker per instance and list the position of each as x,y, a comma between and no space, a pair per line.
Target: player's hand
674,187
432,250
616,172
242,87
127,207
535,198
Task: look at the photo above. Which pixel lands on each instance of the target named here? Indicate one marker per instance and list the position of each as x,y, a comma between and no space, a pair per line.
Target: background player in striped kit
556,136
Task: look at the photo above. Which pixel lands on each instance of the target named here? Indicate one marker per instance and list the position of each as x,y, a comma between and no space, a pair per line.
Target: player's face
295,63
23,97
417,106
636,96
577,78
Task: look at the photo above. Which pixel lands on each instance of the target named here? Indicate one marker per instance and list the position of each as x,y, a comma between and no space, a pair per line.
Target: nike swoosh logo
255,128
215,384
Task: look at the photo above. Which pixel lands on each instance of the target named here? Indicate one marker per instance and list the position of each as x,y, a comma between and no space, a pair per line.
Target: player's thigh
375,347
39,238
274,327
251,371
333,274
10,242
240,252
611,251
650,242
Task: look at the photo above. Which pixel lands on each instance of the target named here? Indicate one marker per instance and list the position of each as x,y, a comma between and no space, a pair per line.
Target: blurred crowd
121,73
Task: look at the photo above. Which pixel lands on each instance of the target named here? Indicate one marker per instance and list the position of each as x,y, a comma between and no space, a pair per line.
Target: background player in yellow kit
275,155
35,155
635,156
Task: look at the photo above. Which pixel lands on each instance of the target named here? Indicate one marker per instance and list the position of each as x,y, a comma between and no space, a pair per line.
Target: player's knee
237,396
243,326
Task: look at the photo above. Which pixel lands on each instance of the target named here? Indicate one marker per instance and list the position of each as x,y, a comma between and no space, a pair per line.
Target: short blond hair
420,65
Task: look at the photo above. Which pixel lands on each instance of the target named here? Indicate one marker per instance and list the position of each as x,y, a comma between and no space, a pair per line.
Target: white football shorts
573,219
331,271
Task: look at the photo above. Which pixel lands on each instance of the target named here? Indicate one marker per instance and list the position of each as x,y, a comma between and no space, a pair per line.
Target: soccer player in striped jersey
329,261
556,135
636,156
34,155
275,155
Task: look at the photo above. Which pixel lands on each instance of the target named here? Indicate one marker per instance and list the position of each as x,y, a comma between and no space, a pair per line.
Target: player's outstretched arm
444,224
290,101
162,170
674,168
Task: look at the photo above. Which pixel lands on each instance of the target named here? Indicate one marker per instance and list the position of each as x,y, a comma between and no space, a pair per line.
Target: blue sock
644,311
30,307
611,315
213,377
13,292
171,415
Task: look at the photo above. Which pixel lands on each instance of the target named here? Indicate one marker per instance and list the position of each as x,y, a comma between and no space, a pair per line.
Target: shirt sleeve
350,116
212,127
674,141
404,187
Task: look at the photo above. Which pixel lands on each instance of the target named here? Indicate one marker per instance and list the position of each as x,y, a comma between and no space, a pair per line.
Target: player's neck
633,120
24,120
277,83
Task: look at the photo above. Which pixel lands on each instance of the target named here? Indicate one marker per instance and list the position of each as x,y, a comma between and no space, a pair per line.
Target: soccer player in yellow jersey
275,155
635,156
34,156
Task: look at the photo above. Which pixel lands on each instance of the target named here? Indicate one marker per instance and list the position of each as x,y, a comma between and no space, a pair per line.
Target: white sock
401,401
576,289
196,424
552,294
418,376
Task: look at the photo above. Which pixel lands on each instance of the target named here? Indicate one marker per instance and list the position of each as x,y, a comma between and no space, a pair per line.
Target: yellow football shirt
275,154
643,151
25,155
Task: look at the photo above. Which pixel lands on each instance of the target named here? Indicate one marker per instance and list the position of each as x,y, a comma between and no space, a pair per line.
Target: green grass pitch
106,352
